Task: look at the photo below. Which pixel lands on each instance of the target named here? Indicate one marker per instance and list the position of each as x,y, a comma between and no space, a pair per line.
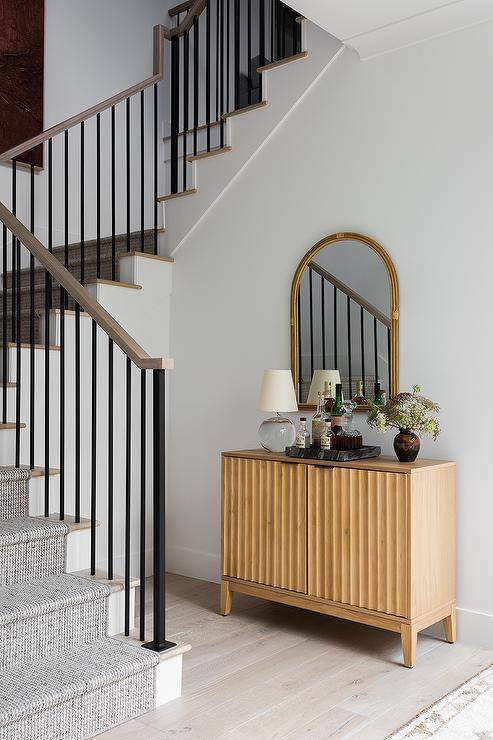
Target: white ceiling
375,27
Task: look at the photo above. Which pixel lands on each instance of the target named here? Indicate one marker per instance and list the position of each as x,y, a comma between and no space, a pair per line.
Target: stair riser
89,714
44,634
26,561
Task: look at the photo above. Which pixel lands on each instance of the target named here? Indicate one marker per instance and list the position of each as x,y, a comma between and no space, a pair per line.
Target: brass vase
406,445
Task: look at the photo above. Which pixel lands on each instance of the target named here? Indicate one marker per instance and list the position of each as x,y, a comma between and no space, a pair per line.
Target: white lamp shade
277,392
320,377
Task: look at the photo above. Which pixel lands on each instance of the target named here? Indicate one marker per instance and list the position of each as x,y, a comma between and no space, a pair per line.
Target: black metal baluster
155,166
282,9
272,29
13,285
48,306
175,112
208,74
32,361
322,291
94,403
18,359
113,195
195,84
63,304
143,448
186,82
128,481
142,170
237,52
228,52
221,73
335,328
77,467
261,38
218,36
310,274
362,340
4,326
375,348
249,51
159,641
349,350
128,165
98,195
110,460
388,363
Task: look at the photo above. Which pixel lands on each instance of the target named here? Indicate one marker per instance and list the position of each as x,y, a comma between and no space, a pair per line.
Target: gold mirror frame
394,306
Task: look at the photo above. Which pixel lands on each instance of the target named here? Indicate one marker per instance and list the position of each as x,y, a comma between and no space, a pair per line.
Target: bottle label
326,442
301,440
318,428
336,421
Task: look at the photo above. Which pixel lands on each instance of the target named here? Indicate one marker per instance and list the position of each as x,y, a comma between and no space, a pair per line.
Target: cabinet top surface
383,463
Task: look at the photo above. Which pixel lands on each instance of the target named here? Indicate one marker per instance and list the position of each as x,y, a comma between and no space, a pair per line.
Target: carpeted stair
60,677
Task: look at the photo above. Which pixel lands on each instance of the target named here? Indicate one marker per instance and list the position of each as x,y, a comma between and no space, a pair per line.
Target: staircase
84,327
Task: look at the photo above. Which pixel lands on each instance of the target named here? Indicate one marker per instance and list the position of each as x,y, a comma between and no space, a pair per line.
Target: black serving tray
315,453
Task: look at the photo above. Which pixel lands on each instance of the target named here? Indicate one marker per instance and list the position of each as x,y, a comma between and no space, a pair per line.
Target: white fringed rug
464,714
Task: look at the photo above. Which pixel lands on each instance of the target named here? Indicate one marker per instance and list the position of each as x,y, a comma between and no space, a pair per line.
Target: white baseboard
193,563
473,628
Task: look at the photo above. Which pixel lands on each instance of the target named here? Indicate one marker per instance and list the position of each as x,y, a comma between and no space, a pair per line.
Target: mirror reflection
344,323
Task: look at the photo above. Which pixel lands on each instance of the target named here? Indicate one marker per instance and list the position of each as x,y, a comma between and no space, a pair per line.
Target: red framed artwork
21,74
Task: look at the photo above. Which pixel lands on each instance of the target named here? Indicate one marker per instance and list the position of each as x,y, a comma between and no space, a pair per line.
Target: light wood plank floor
269,672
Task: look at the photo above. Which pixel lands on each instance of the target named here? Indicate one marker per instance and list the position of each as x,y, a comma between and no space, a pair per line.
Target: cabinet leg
409,639
449,626
226,598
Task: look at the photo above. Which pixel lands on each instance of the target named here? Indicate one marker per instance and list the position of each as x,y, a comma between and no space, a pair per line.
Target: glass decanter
348,429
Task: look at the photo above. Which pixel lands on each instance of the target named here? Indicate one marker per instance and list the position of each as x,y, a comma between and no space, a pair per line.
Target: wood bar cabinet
372,541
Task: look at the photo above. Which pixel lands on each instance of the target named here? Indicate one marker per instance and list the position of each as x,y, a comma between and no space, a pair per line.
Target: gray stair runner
49,615
78,693
60,677
122,244
30,549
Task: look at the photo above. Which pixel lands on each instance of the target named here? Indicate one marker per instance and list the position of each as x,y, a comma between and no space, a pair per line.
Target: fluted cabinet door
357,538
264,522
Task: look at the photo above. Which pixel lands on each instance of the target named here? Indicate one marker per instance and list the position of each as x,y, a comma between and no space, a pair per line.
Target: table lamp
320,377
277,394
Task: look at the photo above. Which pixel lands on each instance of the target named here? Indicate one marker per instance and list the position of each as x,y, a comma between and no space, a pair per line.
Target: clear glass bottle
327,440
303,435
328,397
318,421
337,410
359,398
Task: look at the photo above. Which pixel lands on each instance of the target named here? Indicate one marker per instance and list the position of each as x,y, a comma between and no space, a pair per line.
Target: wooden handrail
159,33
113,329
177,9
356,297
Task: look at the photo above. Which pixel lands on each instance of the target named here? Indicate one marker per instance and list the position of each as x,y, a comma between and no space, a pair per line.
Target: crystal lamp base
277,433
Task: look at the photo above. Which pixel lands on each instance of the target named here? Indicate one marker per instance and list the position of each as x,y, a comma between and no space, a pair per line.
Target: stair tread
32,598
28,529
43,684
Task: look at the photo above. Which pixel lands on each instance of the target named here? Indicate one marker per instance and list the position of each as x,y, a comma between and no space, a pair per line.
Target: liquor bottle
318,421
328,397
337,410
378,399
327,440
303,435
359,399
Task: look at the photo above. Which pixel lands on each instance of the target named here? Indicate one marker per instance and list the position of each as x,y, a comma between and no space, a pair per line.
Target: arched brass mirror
345,318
